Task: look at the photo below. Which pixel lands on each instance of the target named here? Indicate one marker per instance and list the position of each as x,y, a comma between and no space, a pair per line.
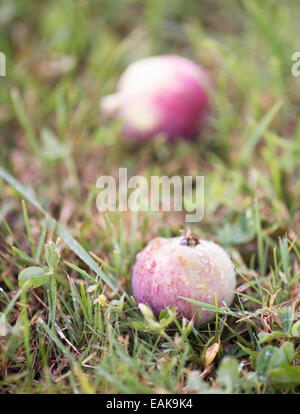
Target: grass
68,322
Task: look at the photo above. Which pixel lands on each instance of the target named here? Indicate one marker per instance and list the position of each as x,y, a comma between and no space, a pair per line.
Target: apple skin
167,95
167,270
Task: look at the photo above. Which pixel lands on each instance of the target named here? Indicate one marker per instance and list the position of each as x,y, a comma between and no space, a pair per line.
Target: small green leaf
139,325
163,314
33,277
240,231
194,383
288,350
263,337
249,382
295,331
228,374
286,316
286,375
269,358
166,317
52,255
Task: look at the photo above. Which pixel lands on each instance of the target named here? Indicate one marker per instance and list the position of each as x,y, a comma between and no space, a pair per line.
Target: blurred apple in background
168,95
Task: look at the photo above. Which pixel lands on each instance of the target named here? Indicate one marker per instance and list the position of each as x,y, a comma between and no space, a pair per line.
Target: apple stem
190,240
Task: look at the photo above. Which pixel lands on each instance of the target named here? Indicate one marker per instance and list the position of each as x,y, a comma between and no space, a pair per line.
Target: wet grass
68,322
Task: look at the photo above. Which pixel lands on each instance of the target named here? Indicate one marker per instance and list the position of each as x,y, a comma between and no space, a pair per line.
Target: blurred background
62,57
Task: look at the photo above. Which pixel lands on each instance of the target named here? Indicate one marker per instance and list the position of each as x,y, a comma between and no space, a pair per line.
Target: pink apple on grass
171,268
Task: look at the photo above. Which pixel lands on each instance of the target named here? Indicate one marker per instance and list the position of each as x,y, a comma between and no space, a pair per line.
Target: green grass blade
24,120
256,134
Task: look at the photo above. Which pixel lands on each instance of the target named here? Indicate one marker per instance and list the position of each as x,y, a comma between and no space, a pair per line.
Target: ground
70,324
